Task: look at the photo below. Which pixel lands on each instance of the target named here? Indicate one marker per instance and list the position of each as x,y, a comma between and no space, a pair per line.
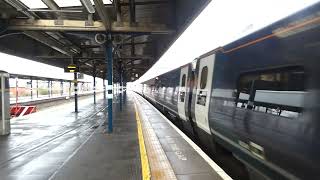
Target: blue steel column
109,60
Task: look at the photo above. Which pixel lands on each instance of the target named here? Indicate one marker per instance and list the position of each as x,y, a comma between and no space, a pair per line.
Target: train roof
287,22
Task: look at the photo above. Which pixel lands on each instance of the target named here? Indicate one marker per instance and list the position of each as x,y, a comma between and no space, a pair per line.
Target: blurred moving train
256,99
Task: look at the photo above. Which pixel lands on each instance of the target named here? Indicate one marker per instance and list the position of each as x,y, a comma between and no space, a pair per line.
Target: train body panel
260,100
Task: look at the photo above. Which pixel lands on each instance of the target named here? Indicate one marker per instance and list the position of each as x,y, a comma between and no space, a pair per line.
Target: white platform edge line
213,165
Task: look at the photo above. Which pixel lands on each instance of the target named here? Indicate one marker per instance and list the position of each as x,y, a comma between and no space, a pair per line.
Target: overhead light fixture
88,5
88,64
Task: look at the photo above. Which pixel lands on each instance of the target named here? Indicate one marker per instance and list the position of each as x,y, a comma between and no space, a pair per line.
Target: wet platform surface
185,161
59,144
40,143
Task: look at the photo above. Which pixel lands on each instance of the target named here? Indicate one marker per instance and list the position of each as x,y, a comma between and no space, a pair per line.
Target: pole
104,88
37,89
120,87
75,92
31,93
70,89
109,60
61,88
49,88
17,95
94,83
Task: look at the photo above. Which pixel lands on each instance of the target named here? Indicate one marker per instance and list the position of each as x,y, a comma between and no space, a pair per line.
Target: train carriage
256,98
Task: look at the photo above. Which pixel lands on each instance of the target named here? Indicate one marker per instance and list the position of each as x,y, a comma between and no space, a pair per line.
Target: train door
183,92
203,92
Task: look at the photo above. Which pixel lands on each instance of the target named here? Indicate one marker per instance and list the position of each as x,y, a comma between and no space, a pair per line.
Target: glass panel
34,4
278,91
183,81
204,76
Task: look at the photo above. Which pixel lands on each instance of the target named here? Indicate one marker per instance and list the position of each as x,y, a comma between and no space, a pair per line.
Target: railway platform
57,144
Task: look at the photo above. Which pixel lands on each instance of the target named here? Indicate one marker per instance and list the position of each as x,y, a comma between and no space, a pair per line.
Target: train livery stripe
299,25
143,153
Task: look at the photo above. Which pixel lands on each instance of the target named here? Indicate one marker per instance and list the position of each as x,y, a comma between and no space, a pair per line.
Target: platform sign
71,68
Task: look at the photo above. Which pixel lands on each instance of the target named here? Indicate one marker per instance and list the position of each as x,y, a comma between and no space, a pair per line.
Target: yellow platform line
146,175
159,165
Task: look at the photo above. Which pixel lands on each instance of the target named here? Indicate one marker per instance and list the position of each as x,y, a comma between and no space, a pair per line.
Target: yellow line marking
160,167
143,153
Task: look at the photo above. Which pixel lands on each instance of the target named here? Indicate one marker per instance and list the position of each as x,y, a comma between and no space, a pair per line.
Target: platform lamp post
104,88
109,62
37,88
49,88
120,88
75,83
17,91
31,88
94,82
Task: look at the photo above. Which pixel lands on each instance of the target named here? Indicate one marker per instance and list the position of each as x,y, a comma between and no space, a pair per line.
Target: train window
183,81
183,84
279,91
204,76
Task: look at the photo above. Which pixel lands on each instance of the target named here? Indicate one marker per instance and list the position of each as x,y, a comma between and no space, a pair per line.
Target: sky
220,23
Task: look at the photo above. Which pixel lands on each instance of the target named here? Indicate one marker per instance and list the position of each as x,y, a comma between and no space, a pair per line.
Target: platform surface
185,160
58,144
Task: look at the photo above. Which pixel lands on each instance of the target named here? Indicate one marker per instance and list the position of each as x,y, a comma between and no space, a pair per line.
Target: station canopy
61,32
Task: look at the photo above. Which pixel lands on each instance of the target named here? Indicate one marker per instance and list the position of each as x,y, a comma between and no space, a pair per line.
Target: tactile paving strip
159,164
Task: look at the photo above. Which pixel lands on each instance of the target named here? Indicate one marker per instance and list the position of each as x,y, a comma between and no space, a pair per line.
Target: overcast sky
222,22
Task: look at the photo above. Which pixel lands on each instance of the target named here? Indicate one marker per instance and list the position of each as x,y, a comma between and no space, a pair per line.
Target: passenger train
256,99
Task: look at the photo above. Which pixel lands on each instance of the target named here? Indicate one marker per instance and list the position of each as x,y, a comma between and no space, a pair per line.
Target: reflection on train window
203,79
183,80
279,91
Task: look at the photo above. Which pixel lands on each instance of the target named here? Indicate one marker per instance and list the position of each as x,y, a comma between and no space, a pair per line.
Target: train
256,99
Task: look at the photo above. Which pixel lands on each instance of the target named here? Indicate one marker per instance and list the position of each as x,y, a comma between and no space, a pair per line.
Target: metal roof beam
136,57
146,3
80,25
103,14
51,4
22,8
118,10
88,5
136,43
43,38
